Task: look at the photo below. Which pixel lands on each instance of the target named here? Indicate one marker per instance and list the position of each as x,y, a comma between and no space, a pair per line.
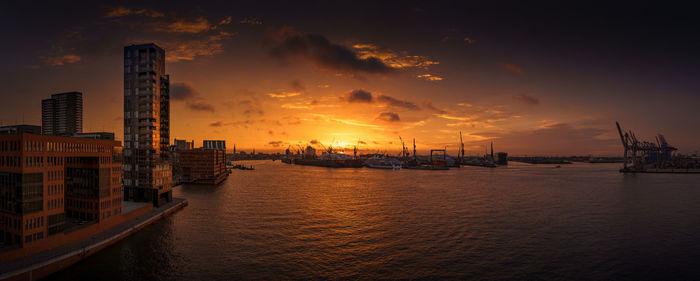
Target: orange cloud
283,95
512,68
227,20
430,77
60,59
189,49
198,25
123,11
392,58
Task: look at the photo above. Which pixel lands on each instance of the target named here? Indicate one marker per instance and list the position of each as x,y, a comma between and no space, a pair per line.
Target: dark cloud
527,99
285,44
276,143
389,116
182,91
200,106
216,124
314,142
297,85
396,103
362,142
362,96
429,106
359,96
251,107
251,21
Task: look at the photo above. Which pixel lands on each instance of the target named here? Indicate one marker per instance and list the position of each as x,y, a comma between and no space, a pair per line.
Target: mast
461,146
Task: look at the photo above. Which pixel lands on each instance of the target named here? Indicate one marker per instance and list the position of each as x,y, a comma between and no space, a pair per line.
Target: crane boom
622,138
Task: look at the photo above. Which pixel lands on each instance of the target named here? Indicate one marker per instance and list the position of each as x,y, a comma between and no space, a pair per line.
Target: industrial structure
642,156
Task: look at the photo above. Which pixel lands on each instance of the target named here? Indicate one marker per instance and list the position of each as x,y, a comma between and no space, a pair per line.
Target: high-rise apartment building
146,170
62,114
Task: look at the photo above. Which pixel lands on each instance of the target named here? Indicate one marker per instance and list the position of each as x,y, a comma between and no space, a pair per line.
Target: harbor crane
638,153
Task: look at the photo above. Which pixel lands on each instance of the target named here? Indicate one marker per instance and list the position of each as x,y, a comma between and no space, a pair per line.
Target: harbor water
577,222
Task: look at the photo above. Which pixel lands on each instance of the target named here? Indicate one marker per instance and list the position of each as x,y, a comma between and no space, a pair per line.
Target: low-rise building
50,182
214,144
202,166
20,129
182,145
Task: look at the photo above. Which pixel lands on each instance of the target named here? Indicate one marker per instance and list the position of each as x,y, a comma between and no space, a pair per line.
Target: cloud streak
526,99
430,77
511,68
390,101
122,11
60,59
282,95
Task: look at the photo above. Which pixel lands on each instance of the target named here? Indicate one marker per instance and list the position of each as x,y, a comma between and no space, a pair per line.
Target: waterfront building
214,144
183,145
146,170
96,135
203,166
502,158
62,114
48,183
20,129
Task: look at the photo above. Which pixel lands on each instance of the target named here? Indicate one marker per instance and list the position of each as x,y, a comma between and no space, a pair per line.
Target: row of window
54,175
80,204
10,161
106,204
55,189
9,222
33,223
76,147
33,146
33,161
54,204
34,237
38,146
9,146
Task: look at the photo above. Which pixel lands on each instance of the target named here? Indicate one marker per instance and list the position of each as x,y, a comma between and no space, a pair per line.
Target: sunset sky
547,79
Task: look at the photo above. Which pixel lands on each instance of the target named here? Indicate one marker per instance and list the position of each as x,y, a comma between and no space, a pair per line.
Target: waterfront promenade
47,262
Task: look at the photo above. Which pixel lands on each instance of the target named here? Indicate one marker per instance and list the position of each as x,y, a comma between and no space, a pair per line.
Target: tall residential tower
146,170
62,114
